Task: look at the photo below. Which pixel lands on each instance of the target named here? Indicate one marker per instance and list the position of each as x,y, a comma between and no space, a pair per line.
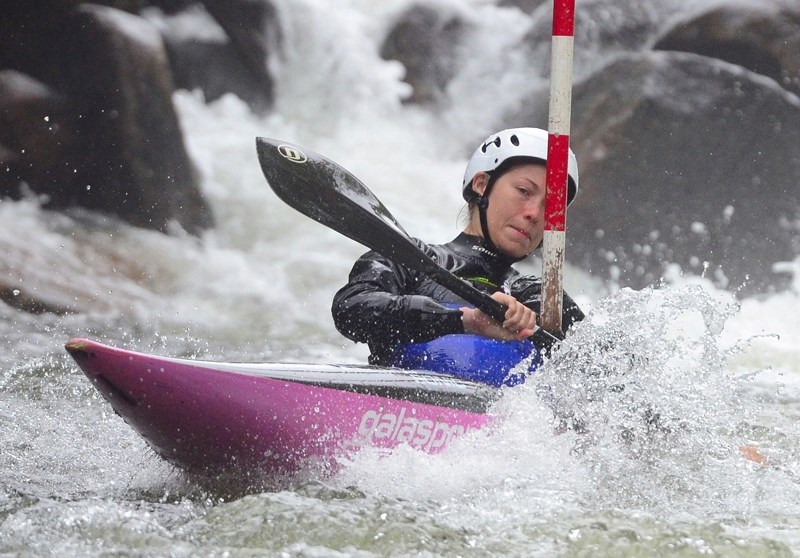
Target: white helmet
501,148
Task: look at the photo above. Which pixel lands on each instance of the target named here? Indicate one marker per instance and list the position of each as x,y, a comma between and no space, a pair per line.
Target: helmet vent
496,141
515,140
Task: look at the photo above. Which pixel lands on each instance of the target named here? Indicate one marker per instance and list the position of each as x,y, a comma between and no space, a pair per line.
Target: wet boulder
203,57
103,76
37,137
253,30
425,40
220,47
763,38
688,160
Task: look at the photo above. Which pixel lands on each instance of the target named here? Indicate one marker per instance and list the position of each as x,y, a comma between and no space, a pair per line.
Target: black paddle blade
322,190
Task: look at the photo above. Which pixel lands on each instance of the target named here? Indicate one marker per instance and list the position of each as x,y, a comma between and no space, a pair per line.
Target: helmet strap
483,206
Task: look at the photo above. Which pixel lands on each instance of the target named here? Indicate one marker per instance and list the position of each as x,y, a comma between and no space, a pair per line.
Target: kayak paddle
329,194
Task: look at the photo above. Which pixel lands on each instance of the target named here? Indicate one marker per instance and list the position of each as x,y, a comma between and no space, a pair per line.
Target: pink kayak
211,417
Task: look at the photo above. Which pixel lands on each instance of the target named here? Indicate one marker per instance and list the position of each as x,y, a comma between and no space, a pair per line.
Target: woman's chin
517,249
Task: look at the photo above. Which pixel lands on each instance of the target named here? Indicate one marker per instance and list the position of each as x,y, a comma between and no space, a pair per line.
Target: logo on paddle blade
292,153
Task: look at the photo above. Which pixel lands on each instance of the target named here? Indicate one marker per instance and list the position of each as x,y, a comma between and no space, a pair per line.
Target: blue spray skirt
471,357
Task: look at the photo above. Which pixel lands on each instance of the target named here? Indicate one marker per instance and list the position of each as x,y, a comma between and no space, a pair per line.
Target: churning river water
717,372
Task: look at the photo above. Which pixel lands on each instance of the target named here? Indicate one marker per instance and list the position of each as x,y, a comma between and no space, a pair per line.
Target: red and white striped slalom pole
557,164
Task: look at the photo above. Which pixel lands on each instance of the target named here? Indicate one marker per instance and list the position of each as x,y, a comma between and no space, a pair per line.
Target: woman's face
515,217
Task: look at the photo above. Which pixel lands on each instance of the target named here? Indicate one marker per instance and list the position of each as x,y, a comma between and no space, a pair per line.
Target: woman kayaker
386,305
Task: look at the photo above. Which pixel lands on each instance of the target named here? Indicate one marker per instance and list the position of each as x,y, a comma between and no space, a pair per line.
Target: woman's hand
520,321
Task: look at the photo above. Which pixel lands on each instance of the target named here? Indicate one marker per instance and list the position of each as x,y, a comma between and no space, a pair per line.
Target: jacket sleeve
379,306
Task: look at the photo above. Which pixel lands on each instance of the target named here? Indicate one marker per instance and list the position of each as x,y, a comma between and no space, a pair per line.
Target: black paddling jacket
384,304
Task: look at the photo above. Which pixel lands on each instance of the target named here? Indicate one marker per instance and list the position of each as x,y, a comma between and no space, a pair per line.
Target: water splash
637,410
643,390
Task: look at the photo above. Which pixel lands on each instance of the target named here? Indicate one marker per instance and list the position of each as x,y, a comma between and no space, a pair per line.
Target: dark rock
147,167
685,159
253,30
425,40
216,69
37,137
113,129
211,63
763,39
32,304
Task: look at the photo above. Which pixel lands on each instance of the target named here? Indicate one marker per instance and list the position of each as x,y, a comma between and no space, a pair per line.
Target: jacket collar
478,246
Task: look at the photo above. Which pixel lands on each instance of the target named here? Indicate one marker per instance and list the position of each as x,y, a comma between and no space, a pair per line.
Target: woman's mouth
522,233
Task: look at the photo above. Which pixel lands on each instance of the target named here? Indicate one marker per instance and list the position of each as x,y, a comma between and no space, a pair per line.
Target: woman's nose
533,209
